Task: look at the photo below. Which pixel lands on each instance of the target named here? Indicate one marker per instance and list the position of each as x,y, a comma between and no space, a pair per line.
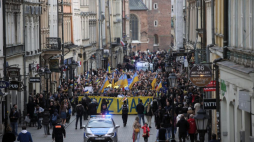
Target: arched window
134,27
156,39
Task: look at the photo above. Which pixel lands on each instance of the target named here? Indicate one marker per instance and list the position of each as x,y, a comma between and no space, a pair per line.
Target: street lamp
73,67
201,120
47,74
172,81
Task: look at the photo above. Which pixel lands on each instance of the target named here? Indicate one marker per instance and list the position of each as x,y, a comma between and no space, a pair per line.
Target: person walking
183,128
92,107
9,136
146,131
14,116
161,134
104,110
58,132
84,103
167,124
24,135
192,128
140,109
62,112
80,111
45,121
125,110
38,112
148,114
136,130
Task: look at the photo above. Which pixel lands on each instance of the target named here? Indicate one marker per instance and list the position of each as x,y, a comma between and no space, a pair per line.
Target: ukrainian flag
134,80
104,85
108,69
159,87
119,82
113,81
124,82
87,75
86,91
153,83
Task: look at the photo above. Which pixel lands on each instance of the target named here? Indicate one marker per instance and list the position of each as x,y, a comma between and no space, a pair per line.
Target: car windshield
100,124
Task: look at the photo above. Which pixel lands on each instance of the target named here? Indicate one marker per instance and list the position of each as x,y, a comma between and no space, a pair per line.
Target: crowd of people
56,109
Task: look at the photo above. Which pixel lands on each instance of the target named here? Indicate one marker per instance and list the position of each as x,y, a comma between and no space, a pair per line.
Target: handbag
137,130
27,119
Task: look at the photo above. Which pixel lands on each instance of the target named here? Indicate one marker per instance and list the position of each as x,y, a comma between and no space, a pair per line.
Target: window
156,39
172,8
155,23
134,27
155,6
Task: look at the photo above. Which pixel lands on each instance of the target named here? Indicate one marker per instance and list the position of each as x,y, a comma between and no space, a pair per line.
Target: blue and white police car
100,128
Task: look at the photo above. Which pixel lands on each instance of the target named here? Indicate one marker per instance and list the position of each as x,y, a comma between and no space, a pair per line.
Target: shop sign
244,100
209,103
200,75
54,65
34,79
211,86
4,84
14,85
13,72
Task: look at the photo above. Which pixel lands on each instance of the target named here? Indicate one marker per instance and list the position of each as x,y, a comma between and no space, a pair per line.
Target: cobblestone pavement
72,135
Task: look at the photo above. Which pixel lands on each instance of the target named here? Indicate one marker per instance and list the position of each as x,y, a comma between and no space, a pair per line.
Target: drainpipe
195,46
62,57
213,37
110,35
217,95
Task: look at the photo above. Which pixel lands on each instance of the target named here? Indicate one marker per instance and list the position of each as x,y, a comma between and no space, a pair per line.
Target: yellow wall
219,22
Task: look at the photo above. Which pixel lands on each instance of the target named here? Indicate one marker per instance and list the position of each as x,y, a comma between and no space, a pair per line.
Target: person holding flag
108,68
154,81
104,85
158,87
134,80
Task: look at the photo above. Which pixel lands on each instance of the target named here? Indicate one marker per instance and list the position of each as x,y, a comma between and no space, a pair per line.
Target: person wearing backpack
125,113
80,111
45,121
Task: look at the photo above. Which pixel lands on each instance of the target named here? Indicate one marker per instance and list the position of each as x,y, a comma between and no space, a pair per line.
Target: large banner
115,104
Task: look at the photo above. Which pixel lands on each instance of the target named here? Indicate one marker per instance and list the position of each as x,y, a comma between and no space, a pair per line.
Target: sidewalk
35,132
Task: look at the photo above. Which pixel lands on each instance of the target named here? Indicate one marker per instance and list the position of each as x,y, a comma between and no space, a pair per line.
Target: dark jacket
140,108
46,118
30,109
25,136
52,109
183,125
9,137
104,111
162,134
58,133
149,113
92,108
79,110
14,116
166,121
42,102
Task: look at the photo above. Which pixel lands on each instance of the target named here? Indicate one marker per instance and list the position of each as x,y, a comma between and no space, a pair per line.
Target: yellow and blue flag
113,81
104,85
153,83
86,91
158,87
87,75
119,82
124,82
134,80
108,69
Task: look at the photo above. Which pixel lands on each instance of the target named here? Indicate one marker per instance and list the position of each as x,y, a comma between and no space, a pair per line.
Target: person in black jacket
125,110
183,128
45,121
14,116
8,136
30,110
84,103
92,108
140,109
104,110
80,112
167,124
161,134
58,132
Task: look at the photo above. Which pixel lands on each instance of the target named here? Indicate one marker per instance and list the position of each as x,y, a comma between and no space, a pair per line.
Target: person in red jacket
146,131
192,129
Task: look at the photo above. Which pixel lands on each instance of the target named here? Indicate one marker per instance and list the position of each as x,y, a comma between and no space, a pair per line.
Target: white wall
173,8
179,24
